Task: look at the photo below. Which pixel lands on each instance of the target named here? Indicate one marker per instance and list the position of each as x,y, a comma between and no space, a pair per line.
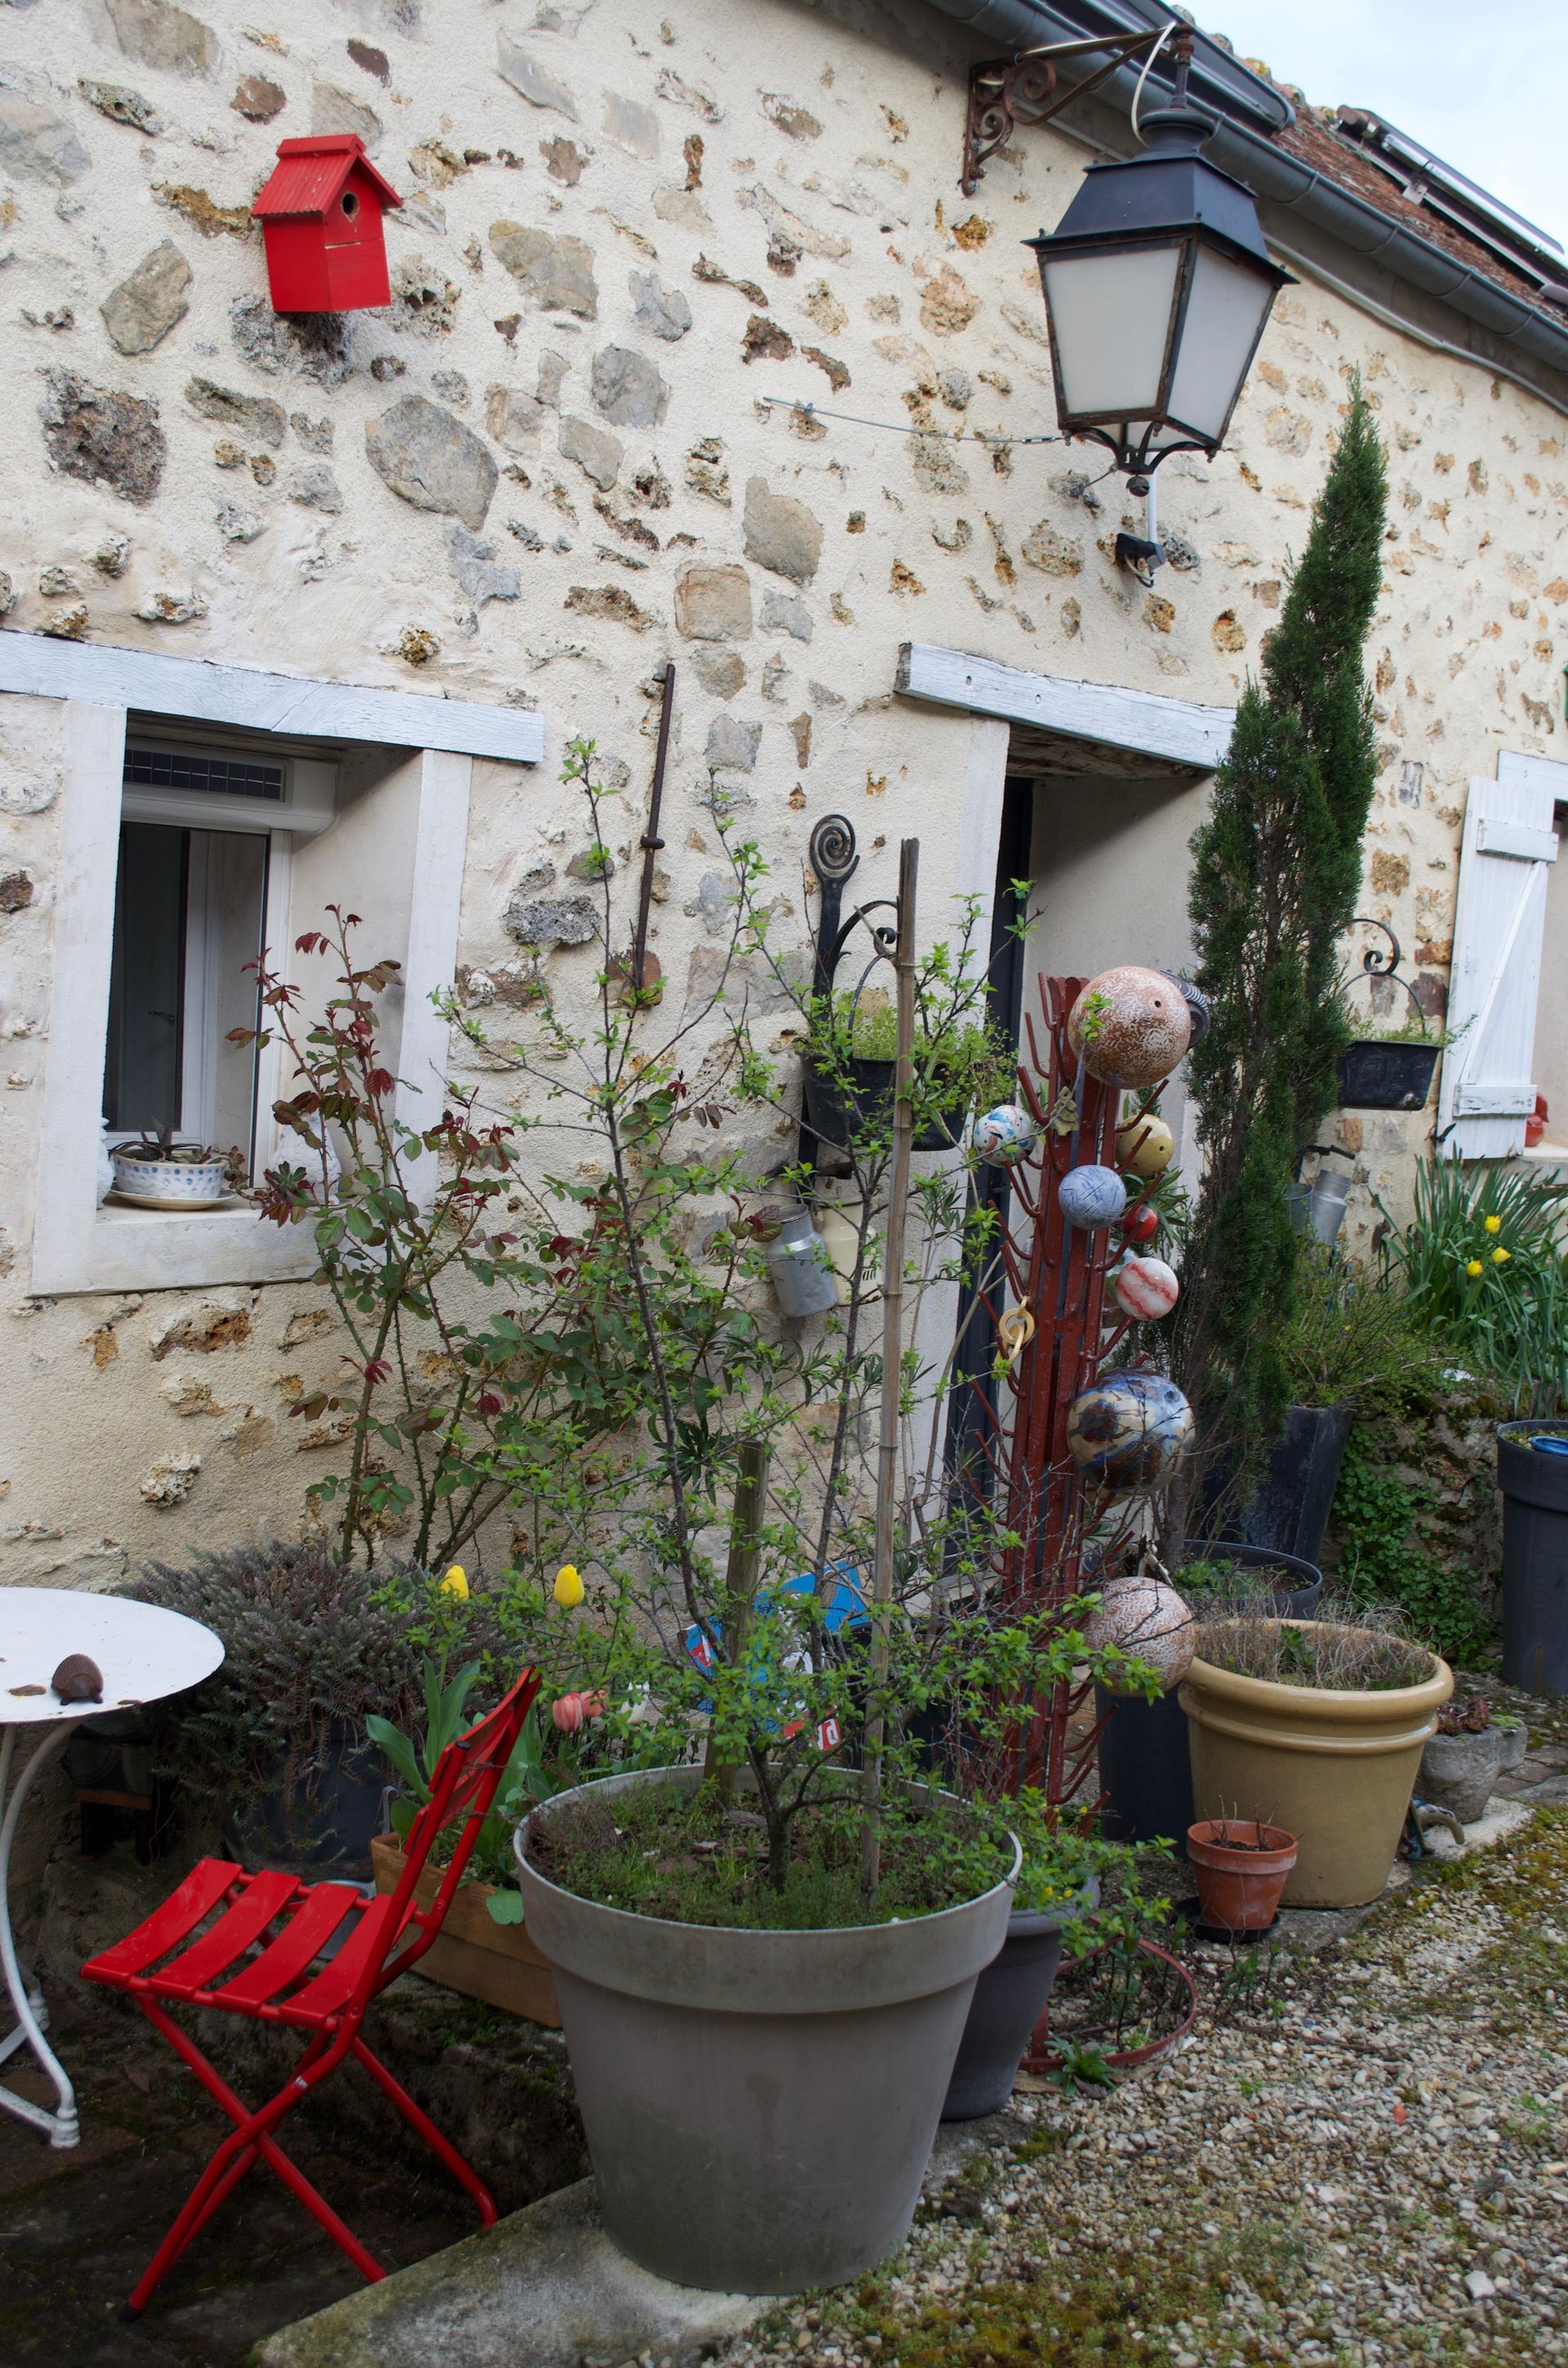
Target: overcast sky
1485,87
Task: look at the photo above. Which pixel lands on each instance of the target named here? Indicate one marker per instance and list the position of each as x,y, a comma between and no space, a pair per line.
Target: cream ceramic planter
1336,1770
176,1183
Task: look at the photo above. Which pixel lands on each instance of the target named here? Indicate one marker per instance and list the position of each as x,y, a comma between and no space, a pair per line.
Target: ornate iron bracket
835,859
1375,964
1023,89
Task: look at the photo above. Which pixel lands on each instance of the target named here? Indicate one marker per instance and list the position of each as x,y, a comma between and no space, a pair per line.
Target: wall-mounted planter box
864,1104
497,1963
1377,1074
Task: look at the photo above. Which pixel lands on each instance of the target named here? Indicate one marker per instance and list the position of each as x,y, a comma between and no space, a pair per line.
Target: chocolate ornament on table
1090,1197
1129,1430
1145,1147
1140,1224
1140,1029
78,1680
1146,1288
1148,1619
1004,1135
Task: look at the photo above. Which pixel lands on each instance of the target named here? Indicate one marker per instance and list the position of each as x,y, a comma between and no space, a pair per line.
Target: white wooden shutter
1509,840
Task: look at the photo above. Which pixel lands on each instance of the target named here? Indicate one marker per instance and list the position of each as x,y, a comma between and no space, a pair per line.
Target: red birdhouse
321,215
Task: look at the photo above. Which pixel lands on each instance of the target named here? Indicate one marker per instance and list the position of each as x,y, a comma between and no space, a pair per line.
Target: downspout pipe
1285,182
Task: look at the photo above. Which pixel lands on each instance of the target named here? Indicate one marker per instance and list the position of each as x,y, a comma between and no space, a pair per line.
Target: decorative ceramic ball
1147,1288
1005,1135
1129,1430
1089,1197
1196,1004
1148,1620
1140,1224
1142,1026
1145,1147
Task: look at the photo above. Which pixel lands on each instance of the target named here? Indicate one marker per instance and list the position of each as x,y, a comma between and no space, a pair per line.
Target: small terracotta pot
1238,1889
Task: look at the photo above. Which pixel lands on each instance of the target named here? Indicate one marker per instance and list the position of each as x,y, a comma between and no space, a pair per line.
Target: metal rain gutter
1284,181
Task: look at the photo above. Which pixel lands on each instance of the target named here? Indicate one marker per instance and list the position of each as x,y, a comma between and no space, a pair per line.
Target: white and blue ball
1005,1135
1129,1430
1091,1197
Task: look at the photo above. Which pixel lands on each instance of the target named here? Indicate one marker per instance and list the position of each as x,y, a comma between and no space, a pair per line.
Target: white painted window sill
156,1249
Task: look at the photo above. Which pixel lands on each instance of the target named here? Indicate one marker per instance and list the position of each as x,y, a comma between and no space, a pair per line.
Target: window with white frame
204,834
207,811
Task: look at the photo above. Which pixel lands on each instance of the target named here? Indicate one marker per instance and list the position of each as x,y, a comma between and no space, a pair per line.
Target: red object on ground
1535,1125
267,1939
321,217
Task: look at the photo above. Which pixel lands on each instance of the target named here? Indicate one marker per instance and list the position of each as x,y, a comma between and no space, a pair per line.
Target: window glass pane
1112,317
142,1068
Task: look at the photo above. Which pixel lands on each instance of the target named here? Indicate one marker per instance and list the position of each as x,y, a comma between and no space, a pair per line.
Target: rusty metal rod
651,841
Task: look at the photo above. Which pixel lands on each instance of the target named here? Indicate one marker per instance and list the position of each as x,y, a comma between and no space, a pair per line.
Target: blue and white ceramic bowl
180,1183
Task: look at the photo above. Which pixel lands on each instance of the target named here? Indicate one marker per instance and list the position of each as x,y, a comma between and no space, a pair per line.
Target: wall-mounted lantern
321,216
1157,286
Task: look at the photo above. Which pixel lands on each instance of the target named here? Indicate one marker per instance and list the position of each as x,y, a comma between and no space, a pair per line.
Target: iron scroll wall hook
835,859
1376,964
1004,92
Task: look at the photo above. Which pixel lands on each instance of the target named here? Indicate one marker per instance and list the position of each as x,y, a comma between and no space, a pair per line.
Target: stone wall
548,466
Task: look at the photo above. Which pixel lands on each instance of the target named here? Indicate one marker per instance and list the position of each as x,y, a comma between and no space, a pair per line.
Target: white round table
144,1653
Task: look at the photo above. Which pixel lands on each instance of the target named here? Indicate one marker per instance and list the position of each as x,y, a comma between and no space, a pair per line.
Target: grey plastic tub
1009,1999
759,2106
1535,1558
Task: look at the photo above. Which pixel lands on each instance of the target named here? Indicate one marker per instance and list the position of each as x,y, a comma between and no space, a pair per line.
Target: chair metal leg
250,2141
62,2126
442,2148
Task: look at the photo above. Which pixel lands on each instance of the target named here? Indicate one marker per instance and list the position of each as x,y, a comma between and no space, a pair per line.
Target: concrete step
536,2291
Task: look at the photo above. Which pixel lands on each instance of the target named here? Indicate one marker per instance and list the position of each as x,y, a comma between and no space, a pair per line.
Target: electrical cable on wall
902,427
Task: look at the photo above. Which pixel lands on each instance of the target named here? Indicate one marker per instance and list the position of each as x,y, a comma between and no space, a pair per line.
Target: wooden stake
740,1582
892,1354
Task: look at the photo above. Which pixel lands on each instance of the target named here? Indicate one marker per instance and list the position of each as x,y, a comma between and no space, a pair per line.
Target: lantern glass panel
1224,314
1112,314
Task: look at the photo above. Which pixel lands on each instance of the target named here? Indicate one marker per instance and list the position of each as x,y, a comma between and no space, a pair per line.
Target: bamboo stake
892,1353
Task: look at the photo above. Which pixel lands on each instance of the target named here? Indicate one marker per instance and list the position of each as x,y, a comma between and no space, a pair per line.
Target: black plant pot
838,1112
1009,1999
1289,1513
1535,1558
1375,1075
1145,1770
319,1820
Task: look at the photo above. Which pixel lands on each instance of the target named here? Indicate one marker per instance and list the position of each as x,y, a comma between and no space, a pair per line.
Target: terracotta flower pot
1241,1868
1335,1769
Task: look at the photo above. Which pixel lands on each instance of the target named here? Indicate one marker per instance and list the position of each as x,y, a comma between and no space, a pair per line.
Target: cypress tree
1277,868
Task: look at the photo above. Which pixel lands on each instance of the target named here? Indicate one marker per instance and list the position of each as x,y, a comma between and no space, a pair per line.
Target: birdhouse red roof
311,175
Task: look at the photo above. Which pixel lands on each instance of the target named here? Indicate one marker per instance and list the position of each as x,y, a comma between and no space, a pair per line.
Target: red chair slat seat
252,1943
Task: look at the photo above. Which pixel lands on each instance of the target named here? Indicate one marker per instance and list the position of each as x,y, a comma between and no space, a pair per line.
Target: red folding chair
258,1957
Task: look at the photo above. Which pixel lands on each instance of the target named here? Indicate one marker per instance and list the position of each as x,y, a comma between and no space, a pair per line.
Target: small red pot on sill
321,217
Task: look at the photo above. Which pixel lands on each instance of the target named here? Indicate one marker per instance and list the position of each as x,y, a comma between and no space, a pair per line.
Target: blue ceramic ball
1004,1135
1088,1197
1129,1430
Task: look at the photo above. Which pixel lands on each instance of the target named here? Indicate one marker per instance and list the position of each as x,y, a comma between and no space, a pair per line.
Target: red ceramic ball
1142,1026
1140,1224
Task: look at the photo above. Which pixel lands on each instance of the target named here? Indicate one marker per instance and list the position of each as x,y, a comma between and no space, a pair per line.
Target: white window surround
1141,721
405,844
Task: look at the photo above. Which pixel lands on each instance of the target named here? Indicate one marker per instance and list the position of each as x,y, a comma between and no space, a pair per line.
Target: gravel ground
1360,2159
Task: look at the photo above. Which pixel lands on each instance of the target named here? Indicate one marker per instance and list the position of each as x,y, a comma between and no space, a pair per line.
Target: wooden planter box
497,1963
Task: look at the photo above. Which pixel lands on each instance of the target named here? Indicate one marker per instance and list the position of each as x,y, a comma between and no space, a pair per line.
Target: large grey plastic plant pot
759,2106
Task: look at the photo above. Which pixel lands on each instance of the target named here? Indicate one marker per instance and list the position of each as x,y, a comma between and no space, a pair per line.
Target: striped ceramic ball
1146,1288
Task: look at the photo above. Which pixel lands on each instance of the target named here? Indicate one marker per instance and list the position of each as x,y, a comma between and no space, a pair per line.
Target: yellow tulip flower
1501,1258
455,1583
1493,1224
1472,1266
569,1589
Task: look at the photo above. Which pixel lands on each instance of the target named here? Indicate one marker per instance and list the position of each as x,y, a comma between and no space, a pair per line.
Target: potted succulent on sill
1471,1749
1241,1868
160,1173
1319,1726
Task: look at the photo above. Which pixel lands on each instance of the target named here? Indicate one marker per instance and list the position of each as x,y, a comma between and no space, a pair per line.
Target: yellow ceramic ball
1145,1147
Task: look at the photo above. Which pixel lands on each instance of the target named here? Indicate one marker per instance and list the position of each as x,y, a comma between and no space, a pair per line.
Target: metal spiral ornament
833,852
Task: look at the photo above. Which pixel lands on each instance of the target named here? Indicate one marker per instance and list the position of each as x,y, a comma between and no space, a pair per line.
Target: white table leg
26,1996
